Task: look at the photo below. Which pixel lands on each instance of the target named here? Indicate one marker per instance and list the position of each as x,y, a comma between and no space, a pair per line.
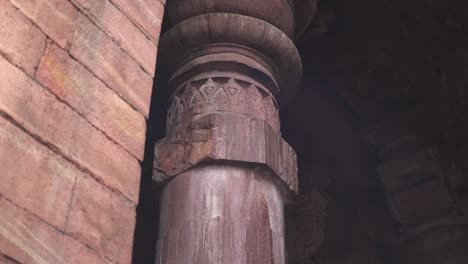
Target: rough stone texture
22,43
26,239
72,83
43,115
43,183
122,30
222,214
68,118
55,17
147,14
118,70
102,220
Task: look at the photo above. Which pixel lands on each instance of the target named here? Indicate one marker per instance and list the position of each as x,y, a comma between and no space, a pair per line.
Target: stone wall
76,80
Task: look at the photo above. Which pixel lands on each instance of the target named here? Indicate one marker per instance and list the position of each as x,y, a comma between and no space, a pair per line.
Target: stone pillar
227,170
433,229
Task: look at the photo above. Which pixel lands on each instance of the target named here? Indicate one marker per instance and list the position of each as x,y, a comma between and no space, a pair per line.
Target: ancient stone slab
122,30
225,137
72,83
106,60
148,14
102,220
55,17
21,42
27,239
40,113
42,182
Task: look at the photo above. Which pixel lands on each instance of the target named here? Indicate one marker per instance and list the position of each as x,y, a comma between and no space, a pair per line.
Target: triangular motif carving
233,90
208,90
220,97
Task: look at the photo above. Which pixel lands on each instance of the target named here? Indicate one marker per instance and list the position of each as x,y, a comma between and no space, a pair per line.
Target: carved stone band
224,137
221,93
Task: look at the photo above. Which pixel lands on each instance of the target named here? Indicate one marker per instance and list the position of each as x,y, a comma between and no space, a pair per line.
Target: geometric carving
225,94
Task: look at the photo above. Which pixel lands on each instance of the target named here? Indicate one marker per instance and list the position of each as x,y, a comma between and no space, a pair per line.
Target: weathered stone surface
222,214
55,17
21,42
40,113
72,83
148,14
102,220
105,59
225,137
27,239
122,30
42,183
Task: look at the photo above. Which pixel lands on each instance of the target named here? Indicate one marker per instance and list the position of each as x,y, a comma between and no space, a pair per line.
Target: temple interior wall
76,81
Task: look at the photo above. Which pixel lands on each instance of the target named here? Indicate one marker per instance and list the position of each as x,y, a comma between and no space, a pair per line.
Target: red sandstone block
27,239
33,176
74,84
40,113
103,220
109,18
105,59
20,41
147,14
55,17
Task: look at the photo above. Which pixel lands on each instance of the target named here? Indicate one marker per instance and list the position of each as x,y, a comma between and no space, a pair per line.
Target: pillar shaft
222,214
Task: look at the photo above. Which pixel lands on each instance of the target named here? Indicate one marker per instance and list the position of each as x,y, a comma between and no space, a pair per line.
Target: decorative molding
223,94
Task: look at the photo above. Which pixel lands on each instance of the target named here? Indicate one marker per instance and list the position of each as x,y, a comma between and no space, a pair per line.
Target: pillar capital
226,42
230,66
